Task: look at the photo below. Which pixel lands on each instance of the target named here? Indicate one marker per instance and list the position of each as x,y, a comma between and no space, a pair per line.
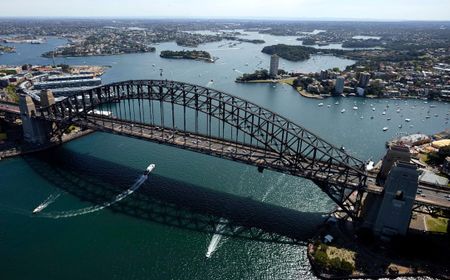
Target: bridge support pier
35,131
389,214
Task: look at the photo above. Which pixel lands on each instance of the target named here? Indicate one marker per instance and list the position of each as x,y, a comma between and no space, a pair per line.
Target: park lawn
343,254
437,224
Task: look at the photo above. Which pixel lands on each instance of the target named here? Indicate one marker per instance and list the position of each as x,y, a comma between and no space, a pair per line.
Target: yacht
384,113
373,109
343,111
385,128
320,104
355,108
407,120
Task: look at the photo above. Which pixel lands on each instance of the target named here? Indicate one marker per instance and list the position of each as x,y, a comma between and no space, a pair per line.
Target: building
323,75
339,86
364,79
274,63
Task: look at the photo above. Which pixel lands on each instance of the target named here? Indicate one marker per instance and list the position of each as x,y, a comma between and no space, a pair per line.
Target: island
288,52
194,54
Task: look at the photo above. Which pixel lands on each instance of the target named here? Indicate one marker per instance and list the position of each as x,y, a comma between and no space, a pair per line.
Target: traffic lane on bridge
433,197
9,108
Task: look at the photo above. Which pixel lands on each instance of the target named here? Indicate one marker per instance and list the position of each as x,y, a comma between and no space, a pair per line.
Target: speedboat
149,169
39,208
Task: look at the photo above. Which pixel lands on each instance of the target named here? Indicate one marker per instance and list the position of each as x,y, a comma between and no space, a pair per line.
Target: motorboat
355,108
149,169
39,208
384,113
407,120
343,111
320,104
385,128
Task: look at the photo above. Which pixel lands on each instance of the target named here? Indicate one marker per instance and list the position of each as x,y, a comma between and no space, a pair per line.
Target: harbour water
124,241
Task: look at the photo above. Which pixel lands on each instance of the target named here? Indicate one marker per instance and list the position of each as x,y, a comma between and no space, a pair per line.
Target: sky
260,9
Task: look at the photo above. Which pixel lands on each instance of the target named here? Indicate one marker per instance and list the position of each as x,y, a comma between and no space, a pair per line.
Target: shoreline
373,265
323,96
20,150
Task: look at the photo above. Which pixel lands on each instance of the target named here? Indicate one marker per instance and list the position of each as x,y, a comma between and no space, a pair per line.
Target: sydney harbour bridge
211,122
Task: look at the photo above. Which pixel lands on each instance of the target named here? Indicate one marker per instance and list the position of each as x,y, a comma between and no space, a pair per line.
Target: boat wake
92,209
215,240
217,237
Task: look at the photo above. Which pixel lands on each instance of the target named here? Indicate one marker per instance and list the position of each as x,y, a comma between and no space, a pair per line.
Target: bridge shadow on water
171,202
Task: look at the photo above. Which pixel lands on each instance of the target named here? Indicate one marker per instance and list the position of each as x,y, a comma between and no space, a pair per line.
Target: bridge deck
253,155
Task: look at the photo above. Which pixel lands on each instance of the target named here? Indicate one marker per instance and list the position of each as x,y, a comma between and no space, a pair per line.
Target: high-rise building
274,62
364,79
323,75
339,86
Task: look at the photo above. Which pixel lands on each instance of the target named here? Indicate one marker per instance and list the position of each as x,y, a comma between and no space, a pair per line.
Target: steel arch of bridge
225,125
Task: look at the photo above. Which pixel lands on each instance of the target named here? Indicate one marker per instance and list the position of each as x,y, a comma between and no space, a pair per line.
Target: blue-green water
125,241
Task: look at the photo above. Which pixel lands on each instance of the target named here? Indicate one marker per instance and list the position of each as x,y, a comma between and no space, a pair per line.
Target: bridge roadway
253,155
430,197
9,108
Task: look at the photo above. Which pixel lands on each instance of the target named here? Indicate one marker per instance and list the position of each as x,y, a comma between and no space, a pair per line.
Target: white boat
149,169
369,166
337,103
320,104
385,128
39,208
407,120
343,111
398,110
384,113
355,108
400,126
373,109
432,106
328,106
361,117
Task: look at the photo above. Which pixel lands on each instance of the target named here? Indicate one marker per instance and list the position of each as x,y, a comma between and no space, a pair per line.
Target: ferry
149,169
